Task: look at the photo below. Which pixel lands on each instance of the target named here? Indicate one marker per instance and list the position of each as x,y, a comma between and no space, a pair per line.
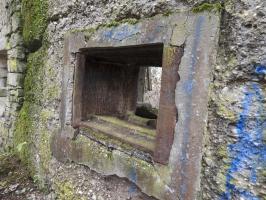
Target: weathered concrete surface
233,164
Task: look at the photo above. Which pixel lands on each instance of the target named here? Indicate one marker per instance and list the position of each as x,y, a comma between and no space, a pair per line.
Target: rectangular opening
117,92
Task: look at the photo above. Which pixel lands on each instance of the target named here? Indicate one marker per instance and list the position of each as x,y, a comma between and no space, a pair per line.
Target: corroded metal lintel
167,109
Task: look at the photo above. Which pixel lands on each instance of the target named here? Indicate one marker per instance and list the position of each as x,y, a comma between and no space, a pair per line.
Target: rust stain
167,109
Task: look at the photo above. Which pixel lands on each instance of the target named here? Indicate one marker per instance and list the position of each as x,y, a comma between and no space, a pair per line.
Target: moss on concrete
115,23
35,21
215,7
23,133
121,123
12,65
88,32
33,85
44,143
222,152
107,140
31,125
152,178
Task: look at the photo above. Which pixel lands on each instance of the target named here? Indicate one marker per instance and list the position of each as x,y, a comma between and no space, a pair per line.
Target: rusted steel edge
167,116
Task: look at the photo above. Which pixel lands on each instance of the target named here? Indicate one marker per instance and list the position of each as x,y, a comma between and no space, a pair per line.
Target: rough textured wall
4,26
3,23
11,46
234,151
234,160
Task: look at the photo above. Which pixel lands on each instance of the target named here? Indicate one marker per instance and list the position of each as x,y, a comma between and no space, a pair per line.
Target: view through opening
121,92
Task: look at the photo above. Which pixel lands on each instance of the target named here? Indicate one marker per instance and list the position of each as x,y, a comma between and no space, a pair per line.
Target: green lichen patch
121,123
215,7
88,32
64,190
23,133
34,79
31,133
35,20
33,87
115,23
107,140
122,131
44,141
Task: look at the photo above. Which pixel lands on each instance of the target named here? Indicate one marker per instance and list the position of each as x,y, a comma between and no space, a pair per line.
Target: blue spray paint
188,89
249,152
133,178
260,69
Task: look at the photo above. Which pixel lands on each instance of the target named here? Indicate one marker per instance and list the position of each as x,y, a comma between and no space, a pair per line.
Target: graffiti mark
260,69
188,89
249,152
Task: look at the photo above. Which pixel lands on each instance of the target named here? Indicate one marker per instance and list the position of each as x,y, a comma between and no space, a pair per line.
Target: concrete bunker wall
189,46
236,95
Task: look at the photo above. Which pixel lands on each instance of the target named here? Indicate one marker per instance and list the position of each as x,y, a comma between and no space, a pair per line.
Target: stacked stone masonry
12,56
32,68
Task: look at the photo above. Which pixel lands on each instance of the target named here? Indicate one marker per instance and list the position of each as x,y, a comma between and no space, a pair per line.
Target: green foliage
216,7
35,21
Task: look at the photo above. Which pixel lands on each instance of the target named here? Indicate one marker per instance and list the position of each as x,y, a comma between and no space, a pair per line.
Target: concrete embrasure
199,38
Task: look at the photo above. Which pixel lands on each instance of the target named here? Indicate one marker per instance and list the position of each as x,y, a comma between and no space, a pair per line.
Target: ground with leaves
15,182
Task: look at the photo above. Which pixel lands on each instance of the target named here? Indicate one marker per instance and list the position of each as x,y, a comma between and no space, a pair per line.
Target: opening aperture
120,92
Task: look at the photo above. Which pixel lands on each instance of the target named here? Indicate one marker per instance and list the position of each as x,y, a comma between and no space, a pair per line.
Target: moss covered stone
31,126
35,20
34,80
22,134
32,119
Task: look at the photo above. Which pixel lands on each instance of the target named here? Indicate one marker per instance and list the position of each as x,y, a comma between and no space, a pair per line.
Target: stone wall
12,56
233,165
